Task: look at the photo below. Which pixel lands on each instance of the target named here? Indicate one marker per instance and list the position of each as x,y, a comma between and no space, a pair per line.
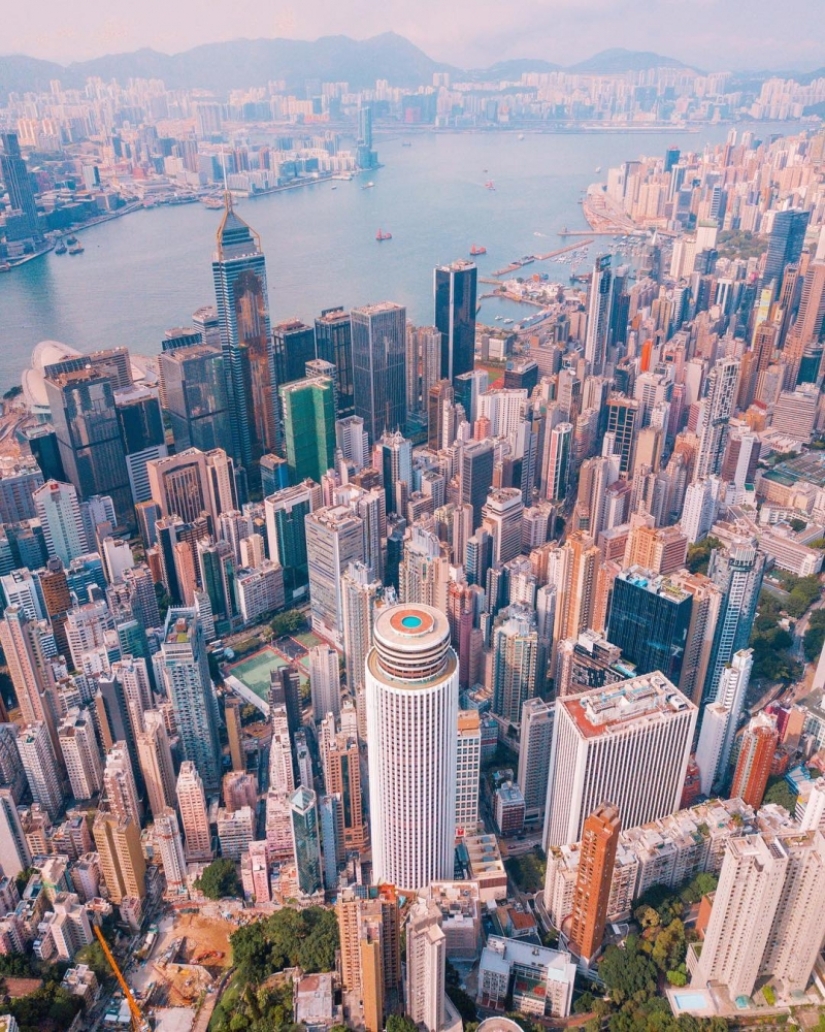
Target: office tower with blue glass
194,392
455,288
333,343
239,273
784,245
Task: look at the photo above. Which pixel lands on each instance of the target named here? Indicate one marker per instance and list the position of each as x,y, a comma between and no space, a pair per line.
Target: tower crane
139,1023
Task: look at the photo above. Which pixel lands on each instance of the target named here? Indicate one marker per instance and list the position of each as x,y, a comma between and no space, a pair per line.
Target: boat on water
490,185
368,186
5,267
335,188
521,136
381,235
71,240
475,249
77,249
406,145
213,203
598,168
61,248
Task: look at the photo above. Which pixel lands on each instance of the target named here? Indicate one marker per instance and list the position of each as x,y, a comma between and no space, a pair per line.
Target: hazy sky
708,33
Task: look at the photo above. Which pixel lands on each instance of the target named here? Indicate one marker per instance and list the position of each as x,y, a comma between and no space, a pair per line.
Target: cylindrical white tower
412,722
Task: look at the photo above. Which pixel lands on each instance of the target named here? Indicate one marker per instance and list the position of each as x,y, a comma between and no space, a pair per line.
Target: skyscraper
717,408
81,753
195,397
370,937
753,768
170,846
309,427
286,534
155,758
784,245
58,510
325,682
514,648
737,571
426,966
334,539
193,813
306,837
342,774
40,764
468,771
15,175
186,675
598,315
630,743
333,343
649,621
144,437
767,918
536,735
239,273
121,858
89,438
379,367
588,920
412,713
454,288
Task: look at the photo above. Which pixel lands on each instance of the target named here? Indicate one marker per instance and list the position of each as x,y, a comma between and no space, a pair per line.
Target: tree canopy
220,879
289,938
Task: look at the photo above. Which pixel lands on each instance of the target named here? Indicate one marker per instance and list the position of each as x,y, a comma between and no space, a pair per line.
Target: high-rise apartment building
629,743
514,647
155,758
186,674
239,273
379,367
536,739
737,571
501,516
193,813
122,865
454,288
767,918
588,918
370,941
334,539
753,767
119,785
426,966
412,714
468,771
40,764
170,847
81,754
324,681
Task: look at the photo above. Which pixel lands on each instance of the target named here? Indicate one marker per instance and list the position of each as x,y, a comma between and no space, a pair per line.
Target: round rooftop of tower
411,642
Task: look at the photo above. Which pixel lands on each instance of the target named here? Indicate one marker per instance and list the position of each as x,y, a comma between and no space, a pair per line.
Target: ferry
213,203
475,249
71,240
381,235
368,186
61,248
77,249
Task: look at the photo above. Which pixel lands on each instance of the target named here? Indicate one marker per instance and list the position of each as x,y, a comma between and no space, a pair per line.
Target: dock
521,263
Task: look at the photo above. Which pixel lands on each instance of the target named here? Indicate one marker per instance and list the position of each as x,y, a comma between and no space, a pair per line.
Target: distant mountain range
220,67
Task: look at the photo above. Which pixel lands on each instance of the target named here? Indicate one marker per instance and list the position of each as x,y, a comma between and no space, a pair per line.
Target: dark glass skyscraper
89,436
294,346
239,273
15,175
455,316
333,342
784,245
649,621
194,390
379,367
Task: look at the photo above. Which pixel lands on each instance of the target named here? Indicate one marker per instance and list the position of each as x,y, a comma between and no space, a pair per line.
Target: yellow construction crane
139,1023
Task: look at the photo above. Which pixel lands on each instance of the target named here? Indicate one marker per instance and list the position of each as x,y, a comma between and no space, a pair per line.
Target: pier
521,263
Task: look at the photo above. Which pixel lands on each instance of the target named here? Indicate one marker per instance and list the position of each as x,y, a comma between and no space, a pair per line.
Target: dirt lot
202,935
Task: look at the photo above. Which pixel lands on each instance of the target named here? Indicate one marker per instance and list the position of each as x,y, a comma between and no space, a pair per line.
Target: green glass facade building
309,427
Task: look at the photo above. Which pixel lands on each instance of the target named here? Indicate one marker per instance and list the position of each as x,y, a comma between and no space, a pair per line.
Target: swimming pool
691,1000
